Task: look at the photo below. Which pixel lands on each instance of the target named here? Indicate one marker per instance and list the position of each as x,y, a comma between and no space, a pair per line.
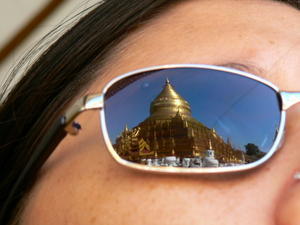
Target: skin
82,184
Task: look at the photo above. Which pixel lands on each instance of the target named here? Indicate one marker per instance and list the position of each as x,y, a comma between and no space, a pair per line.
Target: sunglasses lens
191,117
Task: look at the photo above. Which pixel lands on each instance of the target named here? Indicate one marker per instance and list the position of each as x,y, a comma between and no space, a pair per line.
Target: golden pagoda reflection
170,136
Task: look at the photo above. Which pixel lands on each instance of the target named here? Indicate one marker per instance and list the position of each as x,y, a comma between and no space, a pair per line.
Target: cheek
288,210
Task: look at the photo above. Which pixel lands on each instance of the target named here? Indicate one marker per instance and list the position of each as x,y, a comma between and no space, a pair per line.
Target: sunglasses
189,118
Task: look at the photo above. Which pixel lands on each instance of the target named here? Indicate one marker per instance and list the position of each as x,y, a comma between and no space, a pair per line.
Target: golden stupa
170,130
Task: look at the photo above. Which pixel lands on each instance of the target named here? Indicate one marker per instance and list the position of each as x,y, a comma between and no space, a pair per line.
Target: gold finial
173,152
214,133
210,146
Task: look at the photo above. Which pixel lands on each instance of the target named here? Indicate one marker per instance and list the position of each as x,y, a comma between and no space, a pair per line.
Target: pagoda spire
168,103
126,127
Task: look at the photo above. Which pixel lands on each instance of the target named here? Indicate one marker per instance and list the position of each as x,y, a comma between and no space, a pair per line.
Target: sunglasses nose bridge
289,99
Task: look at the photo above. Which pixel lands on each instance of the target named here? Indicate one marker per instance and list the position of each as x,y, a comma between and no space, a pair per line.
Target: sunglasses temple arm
289,99
89,102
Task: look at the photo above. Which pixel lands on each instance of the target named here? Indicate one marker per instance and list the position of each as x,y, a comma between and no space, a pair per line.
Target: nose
288,208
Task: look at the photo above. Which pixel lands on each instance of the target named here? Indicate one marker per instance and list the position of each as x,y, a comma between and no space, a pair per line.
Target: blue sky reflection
239,109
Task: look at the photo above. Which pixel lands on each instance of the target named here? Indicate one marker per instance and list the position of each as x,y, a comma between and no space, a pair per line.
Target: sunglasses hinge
289,99
89,102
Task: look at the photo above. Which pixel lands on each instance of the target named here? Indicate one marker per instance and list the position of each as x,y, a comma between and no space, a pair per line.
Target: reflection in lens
171,136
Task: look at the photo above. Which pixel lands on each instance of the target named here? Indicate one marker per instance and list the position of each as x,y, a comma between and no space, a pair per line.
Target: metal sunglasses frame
92,102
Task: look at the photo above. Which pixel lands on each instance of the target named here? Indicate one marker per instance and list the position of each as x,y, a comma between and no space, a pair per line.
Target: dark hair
59,75
52,82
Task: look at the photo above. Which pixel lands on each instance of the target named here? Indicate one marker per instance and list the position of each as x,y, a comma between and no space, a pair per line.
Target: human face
81,184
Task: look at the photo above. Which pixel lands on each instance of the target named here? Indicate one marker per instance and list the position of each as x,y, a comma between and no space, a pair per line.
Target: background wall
15,16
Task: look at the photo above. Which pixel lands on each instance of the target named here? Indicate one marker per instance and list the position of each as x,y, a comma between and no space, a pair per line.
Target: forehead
261,34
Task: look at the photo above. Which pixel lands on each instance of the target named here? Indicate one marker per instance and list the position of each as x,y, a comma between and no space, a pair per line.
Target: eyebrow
245,67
